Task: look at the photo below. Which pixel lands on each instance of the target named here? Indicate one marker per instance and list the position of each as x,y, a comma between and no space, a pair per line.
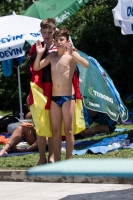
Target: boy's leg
50,150
68,115
56,121
28,134
41,142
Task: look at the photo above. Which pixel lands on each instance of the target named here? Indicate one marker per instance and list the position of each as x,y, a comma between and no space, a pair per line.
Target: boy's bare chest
61,64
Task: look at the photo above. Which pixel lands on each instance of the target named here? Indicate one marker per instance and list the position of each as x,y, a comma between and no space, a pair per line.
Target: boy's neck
49,44
61,53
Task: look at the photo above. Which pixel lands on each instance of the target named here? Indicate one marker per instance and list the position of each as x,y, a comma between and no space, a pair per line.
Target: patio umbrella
27,44
58,9
14,30
98,91
123,16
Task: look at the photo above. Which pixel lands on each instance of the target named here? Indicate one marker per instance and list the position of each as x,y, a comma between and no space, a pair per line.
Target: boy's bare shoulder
53,53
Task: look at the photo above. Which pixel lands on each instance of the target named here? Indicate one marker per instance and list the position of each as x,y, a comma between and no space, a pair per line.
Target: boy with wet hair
40,78
48,23
63,65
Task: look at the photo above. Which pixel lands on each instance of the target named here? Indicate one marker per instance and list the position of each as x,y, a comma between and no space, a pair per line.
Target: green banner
58,9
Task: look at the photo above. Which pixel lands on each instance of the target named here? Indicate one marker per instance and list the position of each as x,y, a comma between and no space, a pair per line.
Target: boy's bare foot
51,159
42,161
3,151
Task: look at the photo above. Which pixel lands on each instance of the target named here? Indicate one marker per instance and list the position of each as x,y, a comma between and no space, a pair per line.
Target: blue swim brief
59,100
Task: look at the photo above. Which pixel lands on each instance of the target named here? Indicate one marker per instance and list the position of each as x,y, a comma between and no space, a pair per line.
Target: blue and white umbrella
14,31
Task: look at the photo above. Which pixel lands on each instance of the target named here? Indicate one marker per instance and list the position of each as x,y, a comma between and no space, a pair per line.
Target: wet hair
48,23
61,32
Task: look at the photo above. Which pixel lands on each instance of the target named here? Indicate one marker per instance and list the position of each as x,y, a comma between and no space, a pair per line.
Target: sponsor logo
90,90
94,104
129,11
52,7
11,52
10,38
110,112
64,16
35,34
94,93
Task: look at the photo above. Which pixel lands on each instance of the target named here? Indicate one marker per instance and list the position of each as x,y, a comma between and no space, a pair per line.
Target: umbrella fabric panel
18,24
123,16
109,82
8,64
60,10
28,44
99,92
96,95
15,29
7,67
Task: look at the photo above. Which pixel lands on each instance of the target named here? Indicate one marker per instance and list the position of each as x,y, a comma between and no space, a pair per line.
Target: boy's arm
39,64
75,55
82,61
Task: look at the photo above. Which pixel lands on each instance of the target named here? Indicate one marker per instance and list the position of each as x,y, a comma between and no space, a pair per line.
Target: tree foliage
93,32
8,6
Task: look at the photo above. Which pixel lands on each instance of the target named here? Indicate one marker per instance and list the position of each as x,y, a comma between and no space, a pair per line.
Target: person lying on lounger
22,132
25,131
96,122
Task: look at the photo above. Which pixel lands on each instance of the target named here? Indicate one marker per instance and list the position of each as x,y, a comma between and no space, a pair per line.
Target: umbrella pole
20,97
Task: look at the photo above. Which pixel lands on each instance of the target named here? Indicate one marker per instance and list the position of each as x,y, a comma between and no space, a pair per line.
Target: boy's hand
70,48
27,124
39,48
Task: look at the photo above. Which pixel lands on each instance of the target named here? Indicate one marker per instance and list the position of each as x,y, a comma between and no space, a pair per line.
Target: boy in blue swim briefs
63,64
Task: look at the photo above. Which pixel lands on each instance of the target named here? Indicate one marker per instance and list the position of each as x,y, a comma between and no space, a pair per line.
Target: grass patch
24,162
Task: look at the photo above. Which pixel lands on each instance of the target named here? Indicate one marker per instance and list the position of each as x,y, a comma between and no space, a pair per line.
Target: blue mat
86,143
102,146
18,153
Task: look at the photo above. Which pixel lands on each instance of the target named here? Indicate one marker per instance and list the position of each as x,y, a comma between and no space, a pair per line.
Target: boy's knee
56,132
68,131
19,128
